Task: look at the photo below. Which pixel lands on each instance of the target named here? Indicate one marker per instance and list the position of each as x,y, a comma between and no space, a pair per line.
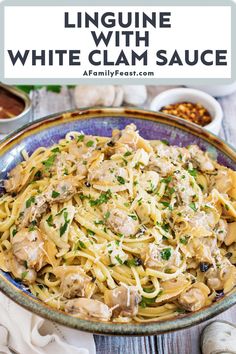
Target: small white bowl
195,96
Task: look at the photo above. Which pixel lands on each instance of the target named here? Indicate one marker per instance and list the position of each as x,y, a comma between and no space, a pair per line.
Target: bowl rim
171,93
130,329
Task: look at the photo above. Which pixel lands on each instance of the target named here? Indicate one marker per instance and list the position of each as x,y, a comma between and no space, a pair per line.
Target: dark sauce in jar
10,105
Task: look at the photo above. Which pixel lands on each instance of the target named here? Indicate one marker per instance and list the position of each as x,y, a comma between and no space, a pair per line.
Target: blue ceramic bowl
101,121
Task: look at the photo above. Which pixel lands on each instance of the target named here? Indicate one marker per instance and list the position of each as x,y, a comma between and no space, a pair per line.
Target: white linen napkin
27,333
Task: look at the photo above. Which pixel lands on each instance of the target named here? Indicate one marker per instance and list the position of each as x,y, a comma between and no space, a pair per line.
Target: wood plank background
181,342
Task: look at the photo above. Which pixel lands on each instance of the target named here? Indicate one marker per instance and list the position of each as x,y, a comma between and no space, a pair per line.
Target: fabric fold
27,333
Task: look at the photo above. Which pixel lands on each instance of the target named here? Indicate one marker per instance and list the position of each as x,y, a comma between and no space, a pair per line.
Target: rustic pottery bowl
101,121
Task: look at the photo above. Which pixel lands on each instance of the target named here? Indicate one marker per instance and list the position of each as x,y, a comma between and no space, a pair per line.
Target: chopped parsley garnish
193,206
140,201
90,232
104,197
146,301
171,190
50,161
201,187
179,310
81,244
64,227
83,196
152,187
38,174
165,227
14,232
60,212
166,253
135,262
80,138
32,225
49,221
128,153
24,274
168,271
30,201
160,293
166,142
118,259
119,235
120,179
99,222
166,180
107,214
90,143
56,150
138,164
193,172
184,240
132,216
166,204
149,290
55,194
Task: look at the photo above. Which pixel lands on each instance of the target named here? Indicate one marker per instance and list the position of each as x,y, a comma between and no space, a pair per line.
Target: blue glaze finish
102,123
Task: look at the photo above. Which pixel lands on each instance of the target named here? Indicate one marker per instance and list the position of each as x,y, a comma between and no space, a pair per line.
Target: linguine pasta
120,229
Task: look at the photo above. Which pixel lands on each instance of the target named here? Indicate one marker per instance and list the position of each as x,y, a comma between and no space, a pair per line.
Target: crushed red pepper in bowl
193,112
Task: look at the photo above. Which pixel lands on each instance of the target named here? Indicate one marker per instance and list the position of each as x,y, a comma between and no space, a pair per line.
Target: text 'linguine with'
120,229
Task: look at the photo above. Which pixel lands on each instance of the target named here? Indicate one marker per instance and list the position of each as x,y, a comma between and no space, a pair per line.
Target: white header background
193,27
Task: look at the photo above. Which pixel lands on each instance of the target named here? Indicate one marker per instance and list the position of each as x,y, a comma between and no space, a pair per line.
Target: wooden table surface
181,342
